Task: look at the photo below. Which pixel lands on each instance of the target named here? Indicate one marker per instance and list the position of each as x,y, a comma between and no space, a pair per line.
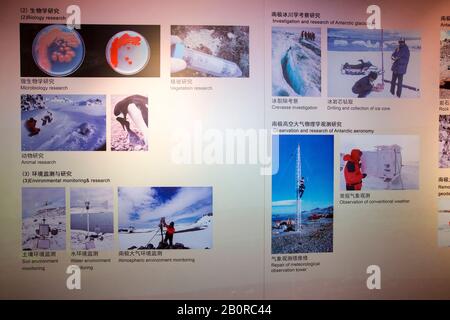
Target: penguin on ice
135,107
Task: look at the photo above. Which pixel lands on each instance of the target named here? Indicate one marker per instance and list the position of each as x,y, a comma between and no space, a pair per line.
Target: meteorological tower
298,179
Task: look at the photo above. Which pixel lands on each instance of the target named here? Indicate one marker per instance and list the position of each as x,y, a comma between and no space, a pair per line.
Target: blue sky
143,207
96,196
35,198
317,169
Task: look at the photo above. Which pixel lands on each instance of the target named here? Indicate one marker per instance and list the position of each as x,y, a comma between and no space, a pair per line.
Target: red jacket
170,230
352,171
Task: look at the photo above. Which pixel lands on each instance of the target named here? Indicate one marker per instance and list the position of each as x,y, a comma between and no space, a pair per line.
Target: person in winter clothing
170,230
400,60
364,86
352,171
301,187
30,125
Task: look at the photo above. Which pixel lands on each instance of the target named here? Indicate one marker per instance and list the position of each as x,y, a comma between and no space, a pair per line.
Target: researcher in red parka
30,124
352,171
170,230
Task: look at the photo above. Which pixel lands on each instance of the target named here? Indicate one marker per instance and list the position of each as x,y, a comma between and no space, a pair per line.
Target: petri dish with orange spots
58,50
127,52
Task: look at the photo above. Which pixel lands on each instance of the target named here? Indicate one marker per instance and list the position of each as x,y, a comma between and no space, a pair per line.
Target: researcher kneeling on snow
364,86
352,171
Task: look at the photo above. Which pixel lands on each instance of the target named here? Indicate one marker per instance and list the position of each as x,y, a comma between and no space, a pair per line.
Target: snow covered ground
78,241
55,218
409,180
74,127
296,67
198,235
340,85
98,219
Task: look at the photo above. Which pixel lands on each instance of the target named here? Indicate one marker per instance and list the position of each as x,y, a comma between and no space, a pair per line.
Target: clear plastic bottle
206,63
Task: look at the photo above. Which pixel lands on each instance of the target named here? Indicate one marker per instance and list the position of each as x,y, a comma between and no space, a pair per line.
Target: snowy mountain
326,212
370,40
60,100
203,222
91,102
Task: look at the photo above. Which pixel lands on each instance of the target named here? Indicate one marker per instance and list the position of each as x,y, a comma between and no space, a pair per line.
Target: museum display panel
225,149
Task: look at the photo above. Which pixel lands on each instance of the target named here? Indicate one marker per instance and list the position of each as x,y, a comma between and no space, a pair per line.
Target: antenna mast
299,177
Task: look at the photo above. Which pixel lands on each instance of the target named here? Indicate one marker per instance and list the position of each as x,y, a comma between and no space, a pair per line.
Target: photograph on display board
302,195
444,79
444,141
210,51
43,219
444,222
365,63
65,122
91,219
379,162
296,66
129,123
91,51
165,218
